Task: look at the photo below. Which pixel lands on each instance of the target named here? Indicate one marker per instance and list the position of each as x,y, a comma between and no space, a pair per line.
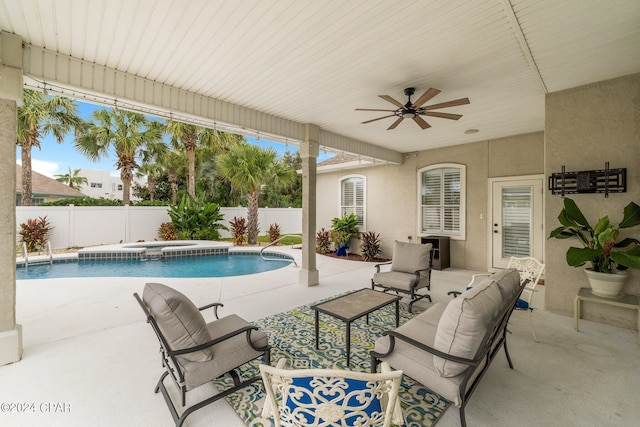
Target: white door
516,219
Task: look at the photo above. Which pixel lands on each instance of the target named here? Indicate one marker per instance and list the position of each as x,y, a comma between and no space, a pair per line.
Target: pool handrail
25,254
276,241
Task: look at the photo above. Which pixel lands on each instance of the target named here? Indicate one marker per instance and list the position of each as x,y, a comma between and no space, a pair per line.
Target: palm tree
248,167
130,135
191,137
152,170
38,116
72,179
173,162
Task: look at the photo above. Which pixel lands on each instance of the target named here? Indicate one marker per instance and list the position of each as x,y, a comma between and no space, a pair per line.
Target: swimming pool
232,264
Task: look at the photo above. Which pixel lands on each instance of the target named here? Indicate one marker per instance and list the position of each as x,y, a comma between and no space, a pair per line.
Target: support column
309,150
10,94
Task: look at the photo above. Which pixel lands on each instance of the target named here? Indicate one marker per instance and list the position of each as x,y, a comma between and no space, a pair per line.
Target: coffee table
353,306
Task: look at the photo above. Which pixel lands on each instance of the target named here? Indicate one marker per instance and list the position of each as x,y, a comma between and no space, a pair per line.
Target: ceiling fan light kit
413,111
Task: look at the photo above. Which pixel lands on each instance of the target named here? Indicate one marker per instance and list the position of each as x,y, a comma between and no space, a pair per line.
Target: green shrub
35,232
151,203
167,231
274,232
83,201
238,230
194,219
323,241
369,245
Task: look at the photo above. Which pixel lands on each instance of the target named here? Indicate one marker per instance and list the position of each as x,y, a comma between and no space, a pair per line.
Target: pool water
203,266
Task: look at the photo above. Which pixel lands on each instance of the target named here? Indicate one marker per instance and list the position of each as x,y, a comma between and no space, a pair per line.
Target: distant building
43,189
103,184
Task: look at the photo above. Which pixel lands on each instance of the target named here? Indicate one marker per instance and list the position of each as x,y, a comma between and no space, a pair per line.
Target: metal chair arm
393,335
377,266
215,306
246,329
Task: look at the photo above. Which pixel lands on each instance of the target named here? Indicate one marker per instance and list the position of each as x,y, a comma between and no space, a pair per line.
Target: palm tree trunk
126,176
252,220
151,183
26,175
174,187
191,179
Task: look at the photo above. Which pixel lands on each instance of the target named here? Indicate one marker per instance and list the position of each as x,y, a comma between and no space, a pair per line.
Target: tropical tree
72,179
190,137
292,195
248,167
174,163
151,169
38,116
130,135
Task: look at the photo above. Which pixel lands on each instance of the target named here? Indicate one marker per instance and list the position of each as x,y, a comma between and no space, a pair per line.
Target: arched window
352,197
442,200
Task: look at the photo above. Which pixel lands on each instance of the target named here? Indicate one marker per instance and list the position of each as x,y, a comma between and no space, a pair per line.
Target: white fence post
72,229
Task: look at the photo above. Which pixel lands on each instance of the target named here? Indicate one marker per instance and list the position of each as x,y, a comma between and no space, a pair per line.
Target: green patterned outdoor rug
292,336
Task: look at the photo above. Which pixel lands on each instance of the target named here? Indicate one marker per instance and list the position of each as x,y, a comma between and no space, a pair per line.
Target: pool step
151,254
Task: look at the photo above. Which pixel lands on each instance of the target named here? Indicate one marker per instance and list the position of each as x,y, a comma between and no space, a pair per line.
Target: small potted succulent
609,257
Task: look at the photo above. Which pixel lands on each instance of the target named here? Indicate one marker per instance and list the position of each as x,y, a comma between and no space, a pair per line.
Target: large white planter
607,285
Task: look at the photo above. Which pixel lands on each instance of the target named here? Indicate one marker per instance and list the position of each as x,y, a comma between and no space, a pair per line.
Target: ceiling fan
415,110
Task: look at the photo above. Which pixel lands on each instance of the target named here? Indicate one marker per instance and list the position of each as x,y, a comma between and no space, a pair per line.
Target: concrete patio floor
90,359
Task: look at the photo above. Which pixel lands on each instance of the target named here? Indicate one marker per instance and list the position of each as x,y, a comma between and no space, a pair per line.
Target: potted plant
342,230
609,257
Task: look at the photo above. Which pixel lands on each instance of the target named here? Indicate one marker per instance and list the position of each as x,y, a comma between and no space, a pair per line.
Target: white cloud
45,167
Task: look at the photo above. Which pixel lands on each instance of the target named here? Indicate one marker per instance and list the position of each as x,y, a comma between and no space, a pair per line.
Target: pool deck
88,350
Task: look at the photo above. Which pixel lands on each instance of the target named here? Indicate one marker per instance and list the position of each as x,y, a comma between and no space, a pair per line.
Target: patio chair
331,397
410,271
530,270
195,352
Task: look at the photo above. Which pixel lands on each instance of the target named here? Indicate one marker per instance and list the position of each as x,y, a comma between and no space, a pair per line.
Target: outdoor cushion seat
410,271
195,352
449,347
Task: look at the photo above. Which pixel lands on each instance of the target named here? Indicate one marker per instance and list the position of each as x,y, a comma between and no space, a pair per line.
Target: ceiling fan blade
442,115
396,123
391,100
420,121
461,101
371,109
430,93
379,118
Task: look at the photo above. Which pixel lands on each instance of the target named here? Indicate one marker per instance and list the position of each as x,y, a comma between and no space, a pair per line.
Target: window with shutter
442,200
352,198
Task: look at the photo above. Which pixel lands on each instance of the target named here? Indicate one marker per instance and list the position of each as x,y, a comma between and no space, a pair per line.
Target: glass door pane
517,221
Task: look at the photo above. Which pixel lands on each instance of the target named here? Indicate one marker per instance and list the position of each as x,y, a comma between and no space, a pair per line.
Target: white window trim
364,190
463,199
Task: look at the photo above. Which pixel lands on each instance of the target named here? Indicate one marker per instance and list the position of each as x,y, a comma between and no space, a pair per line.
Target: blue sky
54,158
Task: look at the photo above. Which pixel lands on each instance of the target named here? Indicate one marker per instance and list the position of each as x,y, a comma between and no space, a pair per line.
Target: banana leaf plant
600,245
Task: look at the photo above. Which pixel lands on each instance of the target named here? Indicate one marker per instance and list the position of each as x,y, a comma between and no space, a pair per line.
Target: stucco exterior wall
585,127
392,193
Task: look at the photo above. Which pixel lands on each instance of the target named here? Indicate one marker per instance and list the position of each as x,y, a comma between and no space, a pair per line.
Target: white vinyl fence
99,225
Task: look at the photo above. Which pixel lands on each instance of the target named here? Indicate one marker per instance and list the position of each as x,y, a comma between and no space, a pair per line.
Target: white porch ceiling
316,61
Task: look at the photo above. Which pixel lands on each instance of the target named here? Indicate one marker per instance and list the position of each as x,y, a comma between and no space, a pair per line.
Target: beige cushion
410,257
229,354
433,314
179,320
508,281
395,279
463,325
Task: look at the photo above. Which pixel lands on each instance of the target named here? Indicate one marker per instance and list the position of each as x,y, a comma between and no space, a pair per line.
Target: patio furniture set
448,348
